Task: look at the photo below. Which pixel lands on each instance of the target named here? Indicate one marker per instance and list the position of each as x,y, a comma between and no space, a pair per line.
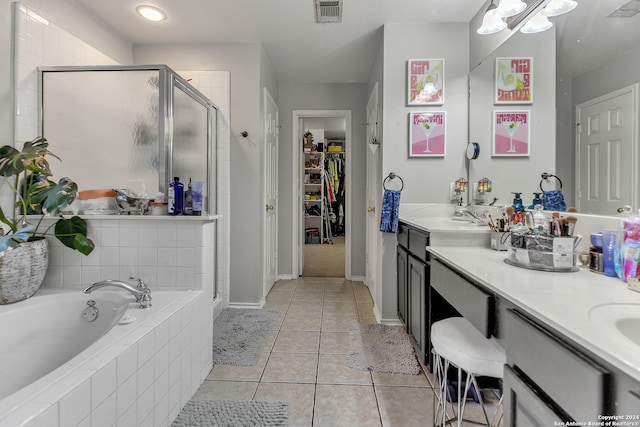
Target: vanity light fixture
491,23
151,13
509,8
558,7
537,24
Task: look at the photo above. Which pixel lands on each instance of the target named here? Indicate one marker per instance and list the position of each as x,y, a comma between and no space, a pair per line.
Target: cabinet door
522,406
403,285
417,304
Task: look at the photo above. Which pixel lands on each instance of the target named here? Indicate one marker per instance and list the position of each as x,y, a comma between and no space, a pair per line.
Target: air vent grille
328,11
627,10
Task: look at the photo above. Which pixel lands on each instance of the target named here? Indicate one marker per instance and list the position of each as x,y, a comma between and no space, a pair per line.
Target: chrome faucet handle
141,283
145,300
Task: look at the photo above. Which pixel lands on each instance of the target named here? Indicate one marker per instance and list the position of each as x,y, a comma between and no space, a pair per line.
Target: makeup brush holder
544,253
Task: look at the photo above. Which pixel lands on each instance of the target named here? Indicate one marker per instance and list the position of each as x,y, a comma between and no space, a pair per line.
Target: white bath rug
228,413
382,348
239,335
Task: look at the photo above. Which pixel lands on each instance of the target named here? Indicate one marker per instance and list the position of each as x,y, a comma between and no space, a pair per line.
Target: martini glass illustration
511,129
427,128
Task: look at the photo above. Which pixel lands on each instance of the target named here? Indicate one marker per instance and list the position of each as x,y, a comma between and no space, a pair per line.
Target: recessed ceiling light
151,13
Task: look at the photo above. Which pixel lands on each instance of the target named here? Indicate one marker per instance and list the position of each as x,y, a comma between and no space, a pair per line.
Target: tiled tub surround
140,374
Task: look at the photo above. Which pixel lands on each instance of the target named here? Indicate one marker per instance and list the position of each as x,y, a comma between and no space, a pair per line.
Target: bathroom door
606,169
372,190
270,191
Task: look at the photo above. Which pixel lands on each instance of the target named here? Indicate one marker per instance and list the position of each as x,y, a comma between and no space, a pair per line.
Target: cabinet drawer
472,302
418,243
575,383
403,236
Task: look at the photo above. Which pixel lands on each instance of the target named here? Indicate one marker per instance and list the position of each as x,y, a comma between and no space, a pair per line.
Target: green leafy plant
27,174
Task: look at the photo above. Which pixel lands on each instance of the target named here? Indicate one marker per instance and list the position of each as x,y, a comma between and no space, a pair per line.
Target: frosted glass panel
104,125
190,130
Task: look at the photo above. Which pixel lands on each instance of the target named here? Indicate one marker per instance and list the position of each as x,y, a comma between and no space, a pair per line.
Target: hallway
304,363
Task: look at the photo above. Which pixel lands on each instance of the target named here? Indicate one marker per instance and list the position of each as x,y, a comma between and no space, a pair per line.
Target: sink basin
623,318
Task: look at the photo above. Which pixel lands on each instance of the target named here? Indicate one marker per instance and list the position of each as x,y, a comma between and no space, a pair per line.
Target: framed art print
514,81
427,131
425,82
511,133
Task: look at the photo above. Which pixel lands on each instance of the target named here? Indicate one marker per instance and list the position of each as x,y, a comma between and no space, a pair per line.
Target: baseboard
391,322
256,306
286,277
357,278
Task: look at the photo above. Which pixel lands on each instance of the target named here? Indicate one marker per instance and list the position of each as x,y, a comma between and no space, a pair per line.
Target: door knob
269,208
370,210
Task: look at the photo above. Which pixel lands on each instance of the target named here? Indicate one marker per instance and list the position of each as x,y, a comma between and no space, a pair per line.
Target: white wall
348,96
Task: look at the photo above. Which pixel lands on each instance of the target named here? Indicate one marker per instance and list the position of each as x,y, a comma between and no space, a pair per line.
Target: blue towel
389,215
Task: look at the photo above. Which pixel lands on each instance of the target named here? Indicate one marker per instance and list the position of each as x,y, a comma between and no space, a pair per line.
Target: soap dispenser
517,203
536,201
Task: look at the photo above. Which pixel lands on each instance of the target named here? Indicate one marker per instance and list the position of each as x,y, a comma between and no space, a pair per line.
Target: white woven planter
22,270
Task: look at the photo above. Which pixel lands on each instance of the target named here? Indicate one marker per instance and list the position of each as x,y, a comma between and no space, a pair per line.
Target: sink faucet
141,292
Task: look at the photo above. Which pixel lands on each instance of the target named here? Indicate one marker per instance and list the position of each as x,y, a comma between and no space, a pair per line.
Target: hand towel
389,215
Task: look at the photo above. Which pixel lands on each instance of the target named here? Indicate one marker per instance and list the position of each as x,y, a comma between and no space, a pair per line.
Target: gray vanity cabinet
402,266
417,320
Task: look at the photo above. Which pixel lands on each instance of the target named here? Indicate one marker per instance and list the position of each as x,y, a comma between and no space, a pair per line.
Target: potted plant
23,247
308,137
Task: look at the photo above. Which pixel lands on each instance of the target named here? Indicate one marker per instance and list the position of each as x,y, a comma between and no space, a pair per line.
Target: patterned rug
382,348
231,413
239,335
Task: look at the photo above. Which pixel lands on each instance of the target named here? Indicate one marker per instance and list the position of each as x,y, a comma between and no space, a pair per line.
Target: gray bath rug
381,348
239,335
232,413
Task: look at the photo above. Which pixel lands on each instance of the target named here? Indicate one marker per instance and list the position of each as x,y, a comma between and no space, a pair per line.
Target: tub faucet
141,292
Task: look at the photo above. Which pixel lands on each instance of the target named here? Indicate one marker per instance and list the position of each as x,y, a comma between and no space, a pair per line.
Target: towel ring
546,176
390,177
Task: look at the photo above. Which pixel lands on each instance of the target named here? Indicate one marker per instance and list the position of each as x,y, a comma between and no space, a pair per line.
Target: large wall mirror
594,52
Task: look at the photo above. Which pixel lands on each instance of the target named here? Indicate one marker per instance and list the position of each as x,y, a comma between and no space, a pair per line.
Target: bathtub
129,366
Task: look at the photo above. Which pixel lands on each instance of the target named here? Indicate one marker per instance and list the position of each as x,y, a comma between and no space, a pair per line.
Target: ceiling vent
328,11
627,10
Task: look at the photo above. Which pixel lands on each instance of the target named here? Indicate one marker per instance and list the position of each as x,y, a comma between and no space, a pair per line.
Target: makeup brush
571,224
572,209
556,222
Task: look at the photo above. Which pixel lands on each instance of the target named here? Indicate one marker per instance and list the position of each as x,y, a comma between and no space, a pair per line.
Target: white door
270,191
606,167
372,190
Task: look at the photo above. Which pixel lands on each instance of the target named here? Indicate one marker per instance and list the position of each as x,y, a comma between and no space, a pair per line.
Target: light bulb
151,13
537,24
491,23
509,8
558,7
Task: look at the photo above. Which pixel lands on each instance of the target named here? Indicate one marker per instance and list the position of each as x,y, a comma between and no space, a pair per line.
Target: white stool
458,343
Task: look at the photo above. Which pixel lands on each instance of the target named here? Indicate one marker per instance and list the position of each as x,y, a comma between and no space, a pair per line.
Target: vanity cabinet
402,267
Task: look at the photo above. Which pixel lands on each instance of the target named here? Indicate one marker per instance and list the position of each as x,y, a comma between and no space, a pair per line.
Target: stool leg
462,397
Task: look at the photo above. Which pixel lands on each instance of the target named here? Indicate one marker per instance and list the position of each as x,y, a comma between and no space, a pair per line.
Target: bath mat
228,413
239,335
381,348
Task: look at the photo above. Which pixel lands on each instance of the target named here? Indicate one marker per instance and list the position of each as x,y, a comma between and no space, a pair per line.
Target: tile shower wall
39,42
169,253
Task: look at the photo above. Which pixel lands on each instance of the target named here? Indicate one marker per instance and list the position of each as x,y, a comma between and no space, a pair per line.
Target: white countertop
563,301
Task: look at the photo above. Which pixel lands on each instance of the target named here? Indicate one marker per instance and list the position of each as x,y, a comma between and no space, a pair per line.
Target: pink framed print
511,133
427,131
514,81
425,82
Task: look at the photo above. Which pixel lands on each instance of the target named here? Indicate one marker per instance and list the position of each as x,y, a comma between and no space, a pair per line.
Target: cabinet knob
269,208
370,209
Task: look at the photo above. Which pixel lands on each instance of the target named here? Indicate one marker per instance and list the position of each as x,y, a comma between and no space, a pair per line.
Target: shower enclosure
132,127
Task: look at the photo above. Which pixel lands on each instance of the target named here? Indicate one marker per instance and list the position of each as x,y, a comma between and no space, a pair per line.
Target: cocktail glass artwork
427,128
511,129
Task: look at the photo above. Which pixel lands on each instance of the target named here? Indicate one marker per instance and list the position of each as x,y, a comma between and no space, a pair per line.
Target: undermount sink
623,318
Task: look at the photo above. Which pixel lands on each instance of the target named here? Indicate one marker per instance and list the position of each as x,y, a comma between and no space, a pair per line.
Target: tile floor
304,363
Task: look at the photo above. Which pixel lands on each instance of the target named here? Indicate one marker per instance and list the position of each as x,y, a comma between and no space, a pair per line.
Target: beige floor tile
280,306
339,296
386,379
363,297
271,340
282,295
291,368
337,286
405,406
332,369
226,390
339,307
240,373
297,342
298,396
311,286
345,406
367,320
308,295
285,284
302,322
365,310
334,342
338,322
305,307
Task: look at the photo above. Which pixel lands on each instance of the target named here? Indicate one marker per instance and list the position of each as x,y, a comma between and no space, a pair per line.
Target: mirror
592,54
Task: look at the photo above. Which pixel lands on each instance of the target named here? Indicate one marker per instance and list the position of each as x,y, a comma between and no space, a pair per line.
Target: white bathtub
59,370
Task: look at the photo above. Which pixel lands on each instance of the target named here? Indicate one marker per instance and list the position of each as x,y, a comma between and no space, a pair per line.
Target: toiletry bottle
198,193
609,242
517,203
188,200
536,201
176,197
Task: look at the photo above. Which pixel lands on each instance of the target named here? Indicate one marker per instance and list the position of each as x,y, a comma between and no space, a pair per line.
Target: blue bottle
536,201
517,203
176,197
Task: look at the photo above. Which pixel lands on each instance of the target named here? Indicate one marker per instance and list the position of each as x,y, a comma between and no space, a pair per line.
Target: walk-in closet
323,145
